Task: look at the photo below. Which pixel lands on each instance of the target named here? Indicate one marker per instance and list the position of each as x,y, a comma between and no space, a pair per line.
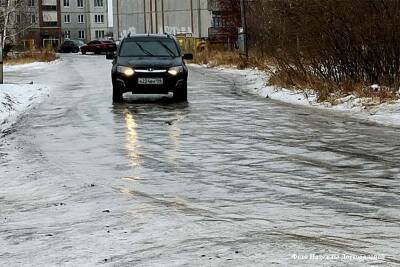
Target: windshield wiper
144,50
170,52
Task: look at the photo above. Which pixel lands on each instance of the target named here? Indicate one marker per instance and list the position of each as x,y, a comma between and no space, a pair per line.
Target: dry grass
329,91
297,81
217,58
214,58
31,56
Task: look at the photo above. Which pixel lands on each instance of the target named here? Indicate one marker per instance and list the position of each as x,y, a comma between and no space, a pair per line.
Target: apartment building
189,17
84,19
49,23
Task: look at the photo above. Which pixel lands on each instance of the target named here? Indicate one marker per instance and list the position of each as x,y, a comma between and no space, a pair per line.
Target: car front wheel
180,94
117,95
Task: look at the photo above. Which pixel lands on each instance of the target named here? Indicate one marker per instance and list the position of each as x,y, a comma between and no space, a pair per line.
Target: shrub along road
226,179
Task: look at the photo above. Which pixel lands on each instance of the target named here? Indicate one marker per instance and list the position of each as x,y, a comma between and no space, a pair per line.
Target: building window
67,18
31,3
99,18
99,34
81,19
80,3
67,34
98,3
33,19
66,3
81,34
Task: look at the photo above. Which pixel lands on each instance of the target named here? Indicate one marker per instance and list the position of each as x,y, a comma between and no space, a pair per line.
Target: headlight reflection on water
132,139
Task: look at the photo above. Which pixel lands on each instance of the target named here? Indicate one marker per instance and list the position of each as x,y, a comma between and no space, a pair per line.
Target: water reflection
174,133
132,139
150,128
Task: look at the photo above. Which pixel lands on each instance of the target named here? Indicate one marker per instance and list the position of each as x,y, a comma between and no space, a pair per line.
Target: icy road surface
228,179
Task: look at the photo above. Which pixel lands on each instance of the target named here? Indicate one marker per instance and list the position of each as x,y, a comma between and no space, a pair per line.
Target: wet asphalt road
227,179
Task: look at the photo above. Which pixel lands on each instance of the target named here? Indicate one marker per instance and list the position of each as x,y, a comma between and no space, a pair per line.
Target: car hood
150,62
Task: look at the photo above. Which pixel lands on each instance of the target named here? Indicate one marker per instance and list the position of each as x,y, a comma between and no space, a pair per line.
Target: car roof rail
169,35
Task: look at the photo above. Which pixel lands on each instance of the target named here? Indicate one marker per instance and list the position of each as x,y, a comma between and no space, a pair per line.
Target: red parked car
99,47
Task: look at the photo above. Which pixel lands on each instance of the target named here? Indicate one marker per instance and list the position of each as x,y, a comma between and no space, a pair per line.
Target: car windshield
149,47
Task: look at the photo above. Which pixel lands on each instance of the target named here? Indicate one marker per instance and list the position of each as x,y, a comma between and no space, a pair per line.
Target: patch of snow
256,82
375,87
15,99
34,65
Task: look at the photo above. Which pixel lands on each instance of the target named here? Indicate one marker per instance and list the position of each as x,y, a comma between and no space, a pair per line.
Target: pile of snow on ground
15,99
30,66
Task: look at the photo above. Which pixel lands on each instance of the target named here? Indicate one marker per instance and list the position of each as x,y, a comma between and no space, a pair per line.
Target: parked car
149,64
79,42
99,47
70,46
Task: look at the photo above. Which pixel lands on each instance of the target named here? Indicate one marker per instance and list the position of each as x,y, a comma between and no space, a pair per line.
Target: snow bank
15,99
34,65
255,82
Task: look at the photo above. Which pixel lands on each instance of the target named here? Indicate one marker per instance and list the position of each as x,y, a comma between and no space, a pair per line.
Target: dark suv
70,46
149,64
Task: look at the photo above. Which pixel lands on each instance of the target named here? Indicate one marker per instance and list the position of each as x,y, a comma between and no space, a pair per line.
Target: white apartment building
84,19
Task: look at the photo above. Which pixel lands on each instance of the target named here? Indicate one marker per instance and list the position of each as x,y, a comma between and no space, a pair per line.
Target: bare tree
13,19
333,43
226,16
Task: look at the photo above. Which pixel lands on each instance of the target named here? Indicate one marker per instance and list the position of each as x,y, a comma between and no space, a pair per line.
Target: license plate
150,81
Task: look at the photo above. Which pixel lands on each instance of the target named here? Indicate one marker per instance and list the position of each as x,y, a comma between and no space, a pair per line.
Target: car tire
83,52
76,50
180,94
117,95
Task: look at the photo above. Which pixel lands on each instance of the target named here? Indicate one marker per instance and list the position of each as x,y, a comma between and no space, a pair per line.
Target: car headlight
175,70
127,71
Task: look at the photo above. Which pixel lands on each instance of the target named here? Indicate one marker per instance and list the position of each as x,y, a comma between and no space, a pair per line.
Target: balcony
49,5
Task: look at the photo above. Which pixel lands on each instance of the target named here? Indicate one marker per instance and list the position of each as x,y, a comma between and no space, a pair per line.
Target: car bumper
131,84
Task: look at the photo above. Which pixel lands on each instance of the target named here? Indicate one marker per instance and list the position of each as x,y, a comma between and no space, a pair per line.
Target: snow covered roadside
255,82
30,66
15,99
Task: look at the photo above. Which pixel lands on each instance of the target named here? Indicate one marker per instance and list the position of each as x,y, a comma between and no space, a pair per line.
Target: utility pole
151,16
144,16
117,20
199,18
162,16
191,17
244,27
156,12
1,60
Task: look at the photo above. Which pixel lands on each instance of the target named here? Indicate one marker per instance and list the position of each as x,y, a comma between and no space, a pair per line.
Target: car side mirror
188,56
111,56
